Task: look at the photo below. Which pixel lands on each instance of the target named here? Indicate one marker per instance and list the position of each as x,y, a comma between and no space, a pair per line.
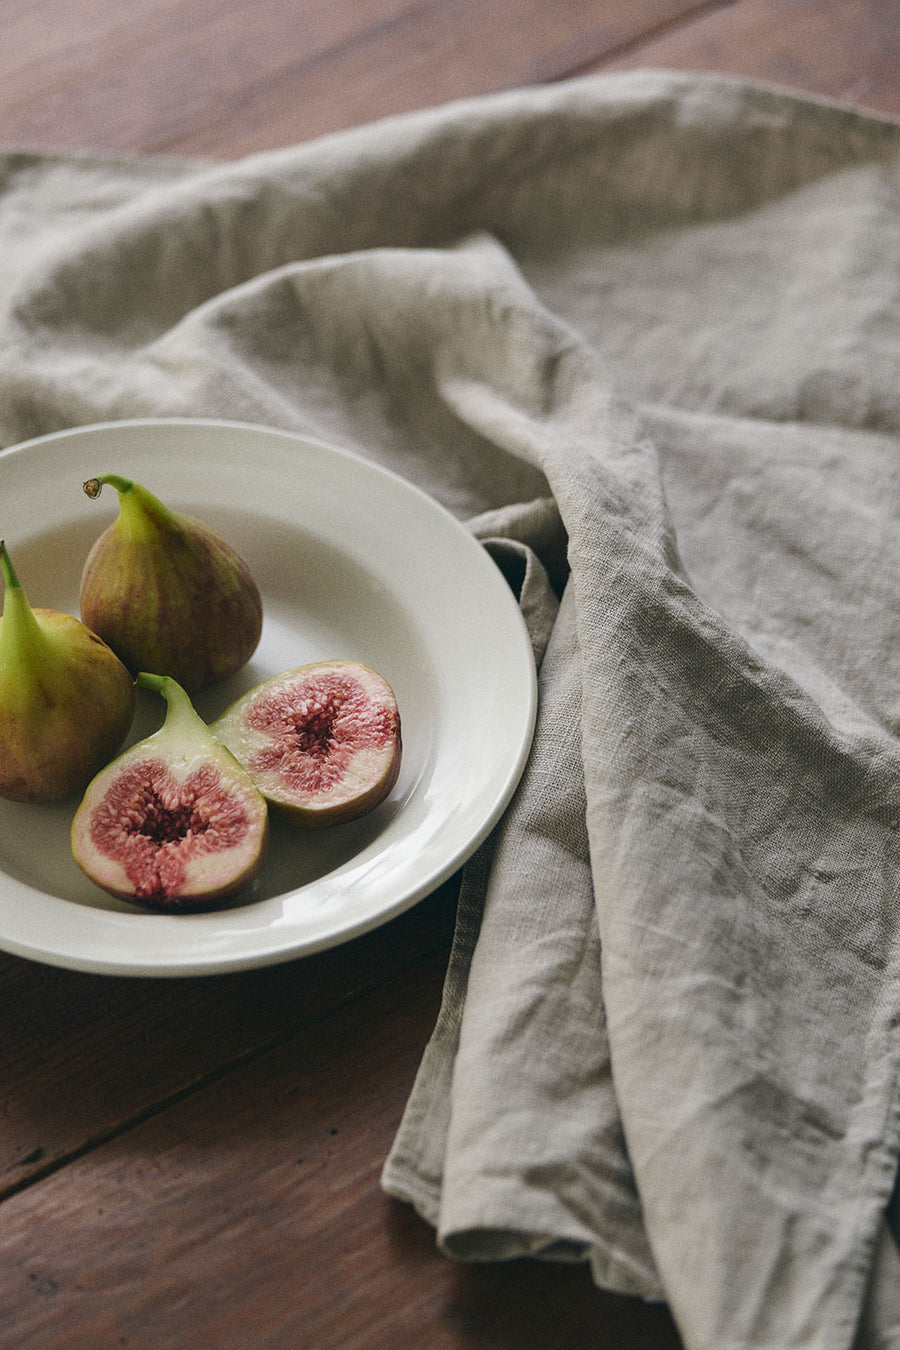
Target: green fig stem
163,685
181,715
6,566
94,486
140,512
22,640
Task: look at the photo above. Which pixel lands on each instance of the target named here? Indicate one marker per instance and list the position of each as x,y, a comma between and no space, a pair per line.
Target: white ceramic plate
352,562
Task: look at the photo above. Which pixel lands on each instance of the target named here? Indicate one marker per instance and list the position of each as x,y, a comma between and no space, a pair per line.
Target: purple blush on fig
168,593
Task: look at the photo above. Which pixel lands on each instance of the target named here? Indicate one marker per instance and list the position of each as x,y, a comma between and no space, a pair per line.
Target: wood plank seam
168,1100
632,47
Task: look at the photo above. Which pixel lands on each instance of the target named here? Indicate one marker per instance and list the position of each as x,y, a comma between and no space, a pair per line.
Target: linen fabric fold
641,332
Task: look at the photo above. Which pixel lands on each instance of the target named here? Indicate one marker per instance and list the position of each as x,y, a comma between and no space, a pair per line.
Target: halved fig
321,742
174,823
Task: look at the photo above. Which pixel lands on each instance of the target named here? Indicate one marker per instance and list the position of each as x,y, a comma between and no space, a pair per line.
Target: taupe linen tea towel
642,332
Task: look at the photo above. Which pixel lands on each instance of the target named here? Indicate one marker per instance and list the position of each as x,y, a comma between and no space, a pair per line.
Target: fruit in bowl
66,700
322,742
174,823
167,592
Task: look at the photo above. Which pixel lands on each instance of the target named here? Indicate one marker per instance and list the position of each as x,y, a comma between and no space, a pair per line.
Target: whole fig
66,700
322,742
174,823
167,592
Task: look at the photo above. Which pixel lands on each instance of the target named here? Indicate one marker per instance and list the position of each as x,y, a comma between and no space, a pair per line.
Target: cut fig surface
322,742
174,823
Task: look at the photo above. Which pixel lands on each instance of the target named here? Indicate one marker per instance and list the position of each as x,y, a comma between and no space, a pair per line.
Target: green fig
66,700
322,742
168,593
174,823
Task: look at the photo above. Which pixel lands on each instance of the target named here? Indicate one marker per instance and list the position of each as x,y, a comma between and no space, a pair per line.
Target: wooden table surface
195,1162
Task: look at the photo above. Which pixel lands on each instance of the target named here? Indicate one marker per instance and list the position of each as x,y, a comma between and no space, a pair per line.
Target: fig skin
66,700
322,742
174,824
168,593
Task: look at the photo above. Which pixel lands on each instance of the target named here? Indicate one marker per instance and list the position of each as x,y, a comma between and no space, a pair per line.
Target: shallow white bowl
352,562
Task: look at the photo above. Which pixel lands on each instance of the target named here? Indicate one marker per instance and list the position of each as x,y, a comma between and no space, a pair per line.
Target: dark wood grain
847,50
232,76
195,1163
249,1213
83,1058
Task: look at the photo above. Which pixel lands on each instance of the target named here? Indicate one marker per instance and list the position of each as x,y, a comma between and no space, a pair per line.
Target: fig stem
141,514
159,684
94,486
22,640
181,715
6,566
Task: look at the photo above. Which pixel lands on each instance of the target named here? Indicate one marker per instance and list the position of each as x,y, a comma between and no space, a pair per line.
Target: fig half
322,742
174,823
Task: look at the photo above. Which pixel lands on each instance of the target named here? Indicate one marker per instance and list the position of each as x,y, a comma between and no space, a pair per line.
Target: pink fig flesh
174,823
322,742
